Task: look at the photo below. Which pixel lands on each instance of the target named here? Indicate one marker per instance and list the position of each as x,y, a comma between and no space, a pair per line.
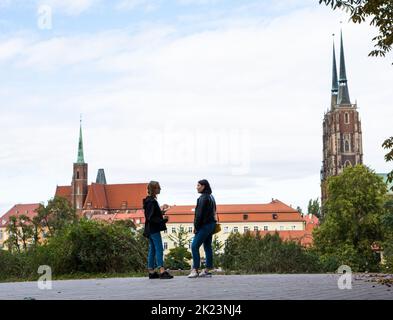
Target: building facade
28,210
271,217
342,131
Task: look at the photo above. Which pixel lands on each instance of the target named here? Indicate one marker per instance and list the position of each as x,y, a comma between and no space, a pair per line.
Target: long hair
205,183
151,188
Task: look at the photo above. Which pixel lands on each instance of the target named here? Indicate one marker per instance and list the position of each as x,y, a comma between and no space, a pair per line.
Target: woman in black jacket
204,225
154,224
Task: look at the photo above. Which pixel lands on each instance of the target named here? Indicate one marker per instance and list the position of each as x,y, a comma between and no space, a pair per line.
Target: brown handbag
217,228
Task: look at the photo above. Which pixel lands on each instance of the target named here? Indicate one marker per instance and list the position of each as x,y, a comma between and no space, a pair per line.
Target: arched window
77,174
348,163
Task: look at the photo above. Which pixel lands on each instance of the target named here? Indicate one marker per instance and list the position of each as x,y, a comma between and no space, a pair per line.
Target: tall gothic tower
342,133
79,178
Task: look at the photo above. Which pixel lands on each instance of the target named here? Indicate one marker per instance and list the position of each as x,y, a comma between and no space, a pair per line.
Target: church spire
334,78
343,93
80,146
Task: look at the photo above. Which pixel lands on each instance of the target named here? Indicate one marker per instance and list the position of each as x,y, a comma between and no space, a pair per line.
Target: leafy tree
93,247
381,14
387,225
180,237
179,257
20,230
388,144
85,247
352,223
56,215
314,208
255,254
217,246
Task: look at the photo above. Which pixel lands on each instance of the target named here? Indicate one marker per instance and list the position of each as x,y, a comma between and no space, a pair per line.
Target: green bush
83,247
95,247
178,259
254,254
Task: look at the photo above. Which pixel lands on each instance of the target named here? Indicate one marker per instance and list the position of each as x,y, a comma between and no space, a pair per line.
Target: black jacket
154,220
205,211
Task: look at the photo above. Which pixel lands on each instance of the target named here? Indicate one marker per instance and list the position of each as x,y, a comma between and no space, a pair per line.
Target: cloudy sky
179,90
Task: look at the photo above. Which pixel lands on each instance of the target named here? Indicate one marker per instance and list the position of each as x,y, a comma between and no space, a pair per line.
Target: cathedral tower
342,133
79,178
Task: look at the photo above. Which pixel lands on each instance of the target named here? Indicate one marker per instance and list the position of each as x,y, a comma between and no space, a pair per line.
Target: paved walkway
230,287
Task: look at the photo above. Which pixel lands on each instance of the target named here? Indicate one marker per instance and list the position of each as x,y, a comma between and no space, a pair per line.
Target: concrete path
219,287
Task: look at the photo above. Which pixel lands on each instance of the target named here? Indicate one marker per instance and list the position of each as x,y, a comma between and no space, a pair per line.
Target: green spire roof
80,146
343,93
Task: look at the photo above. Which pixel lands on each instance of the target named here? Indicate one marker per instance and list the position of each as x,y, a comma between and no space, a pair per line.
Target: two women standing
204,225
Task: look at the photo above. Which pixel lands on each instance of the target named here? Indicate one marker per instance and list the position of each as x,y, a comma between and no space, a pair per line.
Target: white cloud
136,90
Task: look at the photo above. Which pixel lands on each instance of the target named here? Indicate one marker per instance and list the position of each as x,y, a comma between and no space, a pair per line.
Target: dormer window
275,216
245,216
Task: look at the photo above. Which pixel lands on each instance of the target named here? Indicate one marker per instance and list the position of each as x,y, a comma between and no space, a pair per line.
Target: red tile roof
303,237
133,194
236,212
312,222
312,219
275,206
110,196
96,195
63,192
17,210
120,217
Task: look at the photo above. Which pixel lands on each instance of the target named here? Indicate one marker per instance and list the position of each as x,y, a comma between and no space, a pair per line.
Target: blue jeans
203,236
155,258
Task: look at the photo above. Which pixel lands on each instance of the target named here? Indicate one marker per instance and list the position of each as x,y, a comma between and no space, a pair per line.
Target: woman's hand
165,207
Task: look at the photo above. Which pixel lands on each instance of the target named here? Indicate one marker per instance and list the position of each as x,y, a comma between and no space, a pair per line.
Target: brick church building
100,198
342,131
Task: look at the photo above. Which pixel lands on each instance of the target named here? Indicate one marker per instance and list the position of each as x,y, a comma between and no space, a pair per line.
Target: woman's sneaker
205,274
165,275
154,275
193,274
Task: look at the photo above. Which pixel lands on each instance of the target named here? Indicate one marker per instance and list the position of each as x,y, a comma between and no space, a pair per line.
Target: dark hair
151,187
206,183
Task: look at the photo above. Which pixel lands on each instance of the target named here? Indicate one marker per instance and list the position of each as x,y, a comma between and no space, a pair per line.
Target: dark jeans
203,236
156,252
